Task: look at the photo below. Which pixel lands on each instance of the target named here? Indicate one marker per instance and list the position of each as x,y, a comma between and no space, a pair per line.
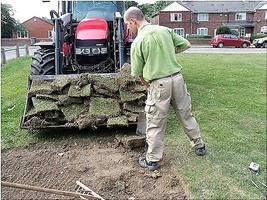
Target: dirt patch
100,163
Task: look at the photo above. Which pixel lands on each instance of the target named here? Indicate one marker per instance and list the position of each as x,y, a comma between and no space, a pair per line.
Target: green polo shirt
153,52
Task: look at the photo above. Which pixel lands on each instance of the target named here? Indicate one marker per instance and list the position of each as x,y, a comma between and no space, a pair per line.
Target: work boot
200,151
151,165
199,146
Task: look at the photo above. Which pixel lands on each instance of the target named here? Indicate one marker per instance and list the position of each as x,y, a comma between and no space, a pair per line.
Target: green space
229,101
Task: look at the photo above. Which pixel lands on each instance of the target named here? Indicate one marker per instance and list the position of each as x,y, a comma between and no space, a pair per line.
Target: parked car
264,29
260,42
229,40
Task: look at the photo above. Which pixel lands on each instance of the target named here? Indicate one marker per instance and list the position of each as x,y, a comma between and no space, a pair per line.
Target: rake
82,191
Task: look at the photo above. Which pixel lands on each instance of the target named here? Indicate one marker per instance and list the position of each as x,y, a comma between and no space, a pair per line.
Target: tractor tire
43,62
264,45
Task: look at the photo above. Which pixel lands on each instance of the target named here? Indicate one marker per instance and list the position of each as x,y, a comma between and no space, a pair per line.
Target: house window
50,34
22,34
176,17
202,31
202,17
179,31
240,16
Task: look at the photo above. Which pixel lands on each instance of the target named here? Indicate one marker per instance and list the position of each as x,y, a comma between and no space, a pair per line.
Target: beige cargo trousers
161,93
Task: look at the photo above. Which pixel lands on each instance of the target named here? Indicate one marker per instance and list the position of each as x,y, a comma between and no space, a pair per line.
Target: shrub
234,32
223,30
258,35
198,36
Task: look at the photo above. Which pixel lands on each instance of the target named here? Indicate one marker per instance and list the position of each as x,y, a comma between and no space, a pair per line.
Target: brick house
260,19
36,27
204,17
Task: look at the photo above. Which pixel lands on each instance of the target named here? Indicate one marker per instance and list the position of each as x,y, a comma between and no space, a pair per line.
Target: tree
8,22
150,9
131,3
159,5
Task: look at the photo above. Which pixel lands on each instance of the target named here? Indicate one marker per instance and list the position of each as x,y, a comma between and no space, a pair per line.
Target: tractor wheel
264,45
43,62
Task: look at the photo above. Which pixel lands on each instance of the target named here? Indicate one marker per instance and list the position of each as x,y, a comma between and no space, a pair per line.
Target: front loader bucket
82,101
29,104
141,125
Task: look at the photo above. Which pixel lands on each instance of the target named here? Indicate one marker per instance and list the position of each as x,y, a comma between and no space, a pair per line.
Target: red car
229,40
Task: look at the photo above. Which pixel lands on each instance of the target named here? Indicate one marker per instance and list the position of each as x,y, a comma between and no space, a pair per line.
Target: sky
26,9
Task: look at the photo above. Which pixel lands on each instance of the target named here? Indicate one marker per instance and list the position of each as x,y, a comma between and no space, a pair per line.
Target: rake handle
41,189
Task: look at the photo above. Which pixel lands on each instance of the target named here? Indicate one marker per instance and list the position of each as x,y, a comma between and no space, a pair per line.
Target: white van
264,29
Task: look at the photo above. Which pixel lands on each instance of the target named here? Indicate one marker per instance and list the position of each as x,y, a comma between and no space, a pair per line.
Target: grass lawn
13,96
228,97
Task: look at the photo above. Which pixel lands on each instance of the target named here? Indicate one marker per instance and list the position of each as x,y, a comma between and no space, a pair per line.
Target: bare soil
100,163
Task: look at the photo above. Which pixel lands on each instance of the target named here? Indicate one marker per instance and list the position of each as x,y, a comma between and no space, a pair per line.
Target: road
194,49
210,49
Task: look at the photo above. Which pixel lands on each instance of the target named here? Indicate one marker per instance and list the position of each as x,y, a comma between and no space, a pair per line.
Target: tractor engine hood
92,29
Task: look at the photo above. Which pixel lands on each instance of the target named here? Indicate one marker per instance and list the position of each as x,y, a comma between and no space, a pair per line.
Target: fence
17,52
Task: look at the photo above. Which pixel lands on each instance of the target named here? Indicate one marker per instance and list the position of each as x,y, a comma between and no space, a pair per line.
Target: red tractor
89,37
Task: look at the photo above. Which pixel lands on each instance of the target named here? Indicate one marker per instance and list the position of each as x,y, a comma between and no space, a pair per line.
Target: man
153,60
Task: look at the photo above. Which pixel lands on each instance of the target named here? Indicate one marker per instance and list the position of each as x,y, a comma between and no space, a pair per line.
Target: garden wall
21,42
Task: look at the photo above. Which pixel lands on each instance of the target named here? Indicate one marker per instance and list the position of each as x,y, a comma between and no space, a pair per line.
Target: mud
101,163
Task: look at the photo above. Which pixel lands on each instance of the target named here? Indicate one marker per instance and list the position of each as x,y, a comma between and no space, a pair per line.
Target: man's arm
141,78
137,62
179,50
180,44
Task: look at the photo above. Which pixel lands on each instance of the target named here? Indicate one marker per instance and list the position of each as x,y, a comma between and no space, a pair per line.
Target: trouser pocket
150,106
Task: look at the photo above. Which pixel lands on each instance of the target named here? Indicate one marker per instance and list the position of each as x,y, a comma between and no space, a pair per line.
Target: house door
214,33
243,32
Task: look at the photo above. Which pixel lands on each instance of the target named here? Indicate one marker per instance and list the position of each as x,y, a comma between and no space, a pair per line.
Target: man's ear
133,20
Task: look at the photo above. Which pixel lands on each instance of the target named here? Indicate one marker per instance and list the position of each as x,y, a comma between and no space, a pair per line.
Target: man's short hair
134,12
